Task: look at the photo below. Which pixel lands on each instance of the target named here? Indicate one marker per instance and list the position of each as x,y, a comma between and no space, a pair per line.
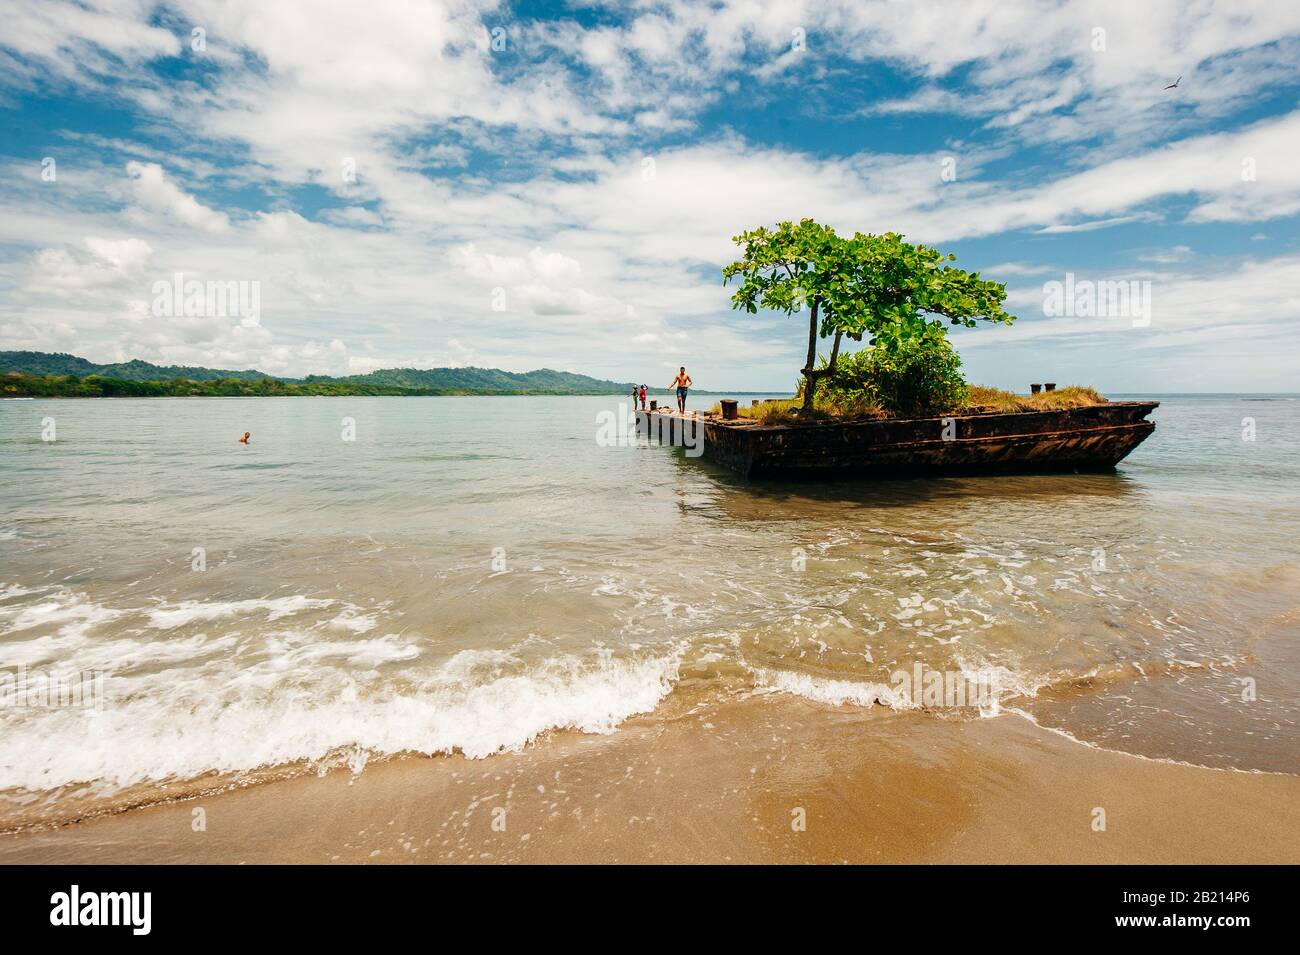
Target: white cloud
90,39
155,192
1016,268
84,275
1177,253
1209,167
1090,226
544,283
124,255
37,333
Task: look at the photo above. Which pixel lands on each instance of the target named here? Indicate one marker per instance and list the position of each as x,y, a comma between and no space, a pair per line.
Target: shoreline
727,781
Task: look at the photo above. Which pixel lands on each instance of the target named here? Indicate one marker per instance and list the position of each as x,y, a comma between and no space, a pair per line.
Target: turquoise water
467,573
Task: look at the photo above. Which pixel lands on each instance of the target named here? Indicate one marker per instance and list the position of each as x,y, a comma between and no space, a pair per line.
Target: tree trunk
835,352
809,371
813,375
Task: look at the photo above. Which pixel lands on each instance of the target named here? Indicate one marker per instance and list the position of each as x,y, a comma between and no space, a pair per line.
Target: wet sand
727,782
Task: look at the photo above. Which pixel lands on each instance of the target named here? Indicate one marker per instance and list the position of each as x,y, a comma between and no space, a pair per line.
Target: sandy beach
727,782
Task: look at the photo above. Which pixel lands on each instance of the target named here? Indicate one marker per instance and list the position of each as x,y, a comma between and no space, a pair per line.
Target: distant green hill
391,381
47,363
487,380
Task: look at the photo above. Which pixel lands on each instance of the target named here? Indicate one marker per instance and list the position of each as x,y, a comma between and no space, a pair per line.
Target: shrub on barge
911,376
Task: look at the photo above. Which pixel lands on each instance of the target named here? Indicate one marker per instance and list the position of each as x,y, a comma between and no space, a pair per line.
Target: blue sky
556,184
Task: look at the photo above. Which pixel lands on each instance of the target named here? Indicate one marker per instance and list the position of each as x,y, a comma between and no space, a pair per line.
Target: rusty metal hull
1093,438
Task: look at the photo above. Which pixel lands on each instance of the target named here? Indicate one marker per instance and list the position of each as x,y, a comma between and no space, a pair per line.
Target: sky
419,183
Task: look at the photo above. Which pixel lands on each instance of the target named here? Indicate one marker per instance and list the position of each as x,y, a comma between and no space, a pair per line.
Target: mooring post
1035,389
1049,386
728,409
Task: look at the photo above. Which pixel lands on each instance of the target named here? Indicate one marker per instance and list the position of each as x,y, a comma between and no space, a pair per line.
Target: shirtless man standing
681,383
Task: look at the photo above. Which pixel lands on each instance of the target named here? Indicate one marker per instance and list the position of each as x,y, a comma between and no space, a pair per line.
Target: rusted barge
1088,438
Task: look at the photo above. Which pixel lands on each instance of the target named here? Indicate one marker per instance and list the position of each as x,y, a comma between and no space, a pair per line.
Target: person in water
682,382
244,439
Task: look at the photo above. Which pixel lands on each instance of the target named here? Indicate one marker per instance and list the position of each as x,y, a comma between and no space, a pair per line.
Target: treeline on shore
18,385
384,381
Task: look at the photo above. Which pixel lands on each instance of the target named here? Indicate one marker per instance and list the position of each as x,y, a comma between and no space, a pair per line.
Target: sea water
375,576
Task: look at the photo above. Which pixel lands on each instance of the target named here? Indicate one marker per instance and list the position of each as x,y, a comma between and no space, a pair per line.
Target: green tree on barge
877,286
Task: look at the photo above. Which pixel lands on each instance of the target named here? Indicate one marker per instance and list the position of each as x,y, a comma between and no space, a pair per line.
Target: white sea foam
167,616
350,619
834,692
363,653
67,610
1002,684
985,688
179,724
76,654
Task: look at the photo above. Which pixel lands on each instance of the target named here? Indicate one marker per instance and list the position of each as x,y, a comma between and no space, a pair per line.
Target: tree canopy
874,286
